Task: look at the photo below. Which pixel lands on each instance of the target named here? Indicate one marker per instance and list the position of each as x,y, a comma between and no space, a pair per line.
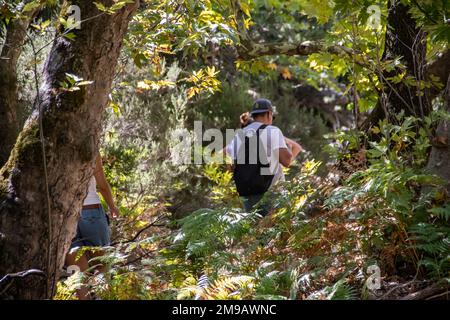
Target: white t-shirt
92,196
271,138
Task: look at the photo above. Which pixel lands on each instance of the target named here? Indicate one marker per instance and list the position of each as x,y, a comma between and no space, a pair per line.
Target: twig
44,162
68,31
153,224
22,274
438,295
399,287
145,254
424,293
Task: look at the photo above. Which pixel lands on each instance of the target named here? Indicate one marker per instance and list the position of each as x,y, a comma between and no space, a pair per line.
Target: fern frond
441,212
229,288
341,291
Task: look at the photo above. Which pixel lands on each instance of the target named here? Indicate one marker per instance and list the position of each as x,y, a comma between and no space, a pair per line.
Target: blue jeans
92,230
253,202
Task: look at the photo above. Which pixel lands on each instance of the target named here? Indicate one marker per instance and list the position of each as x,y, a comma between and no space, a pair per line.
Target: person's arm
285,157
281,147
104,188
295,147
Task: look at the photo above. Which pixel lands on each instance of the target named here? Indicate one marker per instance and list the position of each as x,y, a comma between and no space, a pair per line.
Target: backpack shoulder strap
262,127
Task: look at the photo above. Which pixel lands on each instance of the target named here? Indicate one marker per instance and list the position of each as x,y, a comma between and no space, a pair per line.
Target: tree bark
405,40
16,33
71,122
440,69
438,163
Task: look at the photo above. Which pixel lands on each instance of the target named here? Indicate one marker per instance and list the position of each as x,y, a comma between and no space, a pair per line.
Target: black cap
261,106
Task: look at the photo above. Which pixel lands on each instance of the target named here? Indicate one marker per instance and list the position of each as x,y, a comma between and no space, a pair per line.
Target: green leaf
117,6
100,6
31,6
320,9
45,24
245,8
73,78
70,36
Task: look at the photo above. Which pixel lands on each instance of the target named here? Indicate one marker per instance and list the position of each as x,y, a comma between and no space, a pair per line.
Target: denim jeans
92,230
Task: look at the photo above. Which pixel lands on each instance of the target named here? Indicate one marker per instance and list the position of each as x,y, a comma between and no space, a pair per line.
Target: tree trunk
71,123
440,69
9,55
406,40
438,163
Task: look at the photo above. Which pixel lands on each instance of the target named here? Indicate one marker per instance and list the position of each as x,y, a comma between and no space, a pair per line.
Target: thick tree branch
6,280
248,49
11,50
426,292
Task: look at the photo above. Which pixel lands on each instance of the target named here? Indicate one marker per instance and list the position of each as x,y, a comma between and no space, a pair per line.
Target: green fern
434,242
441,212
339,291
207,231
224,288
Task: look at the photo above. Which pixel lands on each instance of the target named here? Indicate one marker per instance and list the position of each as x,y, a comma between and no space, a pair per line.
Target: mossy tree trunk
10,52
71,126
439,161
404,40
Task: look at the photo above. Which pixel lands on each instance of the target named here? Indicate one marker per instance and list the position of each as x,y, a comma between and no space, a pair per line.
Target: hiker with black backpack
259,150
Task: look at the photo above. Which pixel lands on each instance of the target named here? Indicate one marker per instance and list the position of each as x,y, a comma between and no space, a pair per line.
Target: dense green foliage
319,243
357,198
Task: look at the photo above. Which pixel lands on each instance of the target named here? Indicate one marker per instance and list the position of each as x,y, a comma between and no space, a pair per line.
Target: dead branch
434,289
8,279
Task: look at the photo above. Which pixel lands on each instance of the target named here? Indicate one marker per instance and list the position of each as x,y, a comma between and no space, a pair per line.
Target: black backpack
247,176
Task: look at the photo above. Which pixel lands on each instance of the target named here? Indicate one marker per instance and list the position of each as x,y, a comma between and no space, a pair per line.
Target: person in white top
279,151
93,226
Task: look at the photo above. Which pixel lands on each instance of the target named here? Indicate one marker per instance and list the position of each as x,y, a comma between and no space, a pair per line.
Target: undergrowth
319,242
